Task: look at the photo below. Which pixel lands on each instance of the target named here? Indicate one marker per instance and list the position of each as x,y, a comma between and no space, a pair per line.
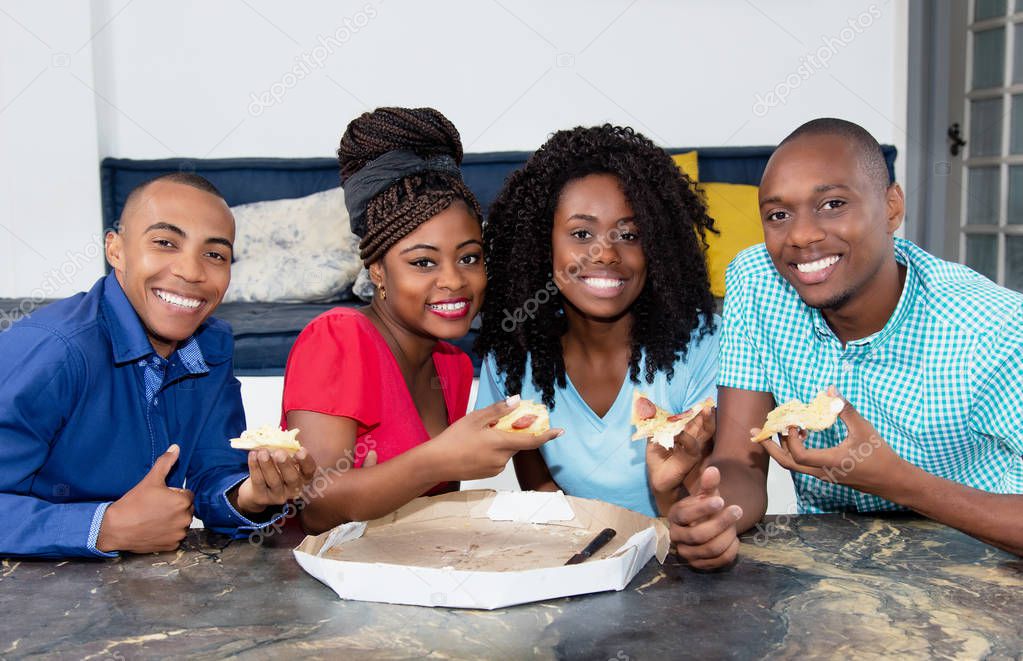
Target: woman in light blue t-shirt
597,287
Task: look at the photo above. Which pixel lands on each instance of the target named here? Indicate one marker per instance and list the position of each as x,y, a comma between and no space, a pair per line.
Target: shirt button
156,401
847,367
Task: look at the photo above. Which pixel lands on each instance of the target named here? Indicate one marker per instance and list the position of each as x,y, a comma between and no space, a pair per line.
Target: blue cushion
244,180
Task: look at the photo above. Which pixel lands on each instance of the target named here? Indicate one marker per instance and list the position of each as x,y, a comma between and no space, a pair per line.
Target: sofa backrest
243,180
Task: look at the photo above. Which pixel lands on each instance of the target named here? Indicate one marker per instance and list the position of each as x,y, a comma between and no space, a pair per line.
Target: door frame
936,58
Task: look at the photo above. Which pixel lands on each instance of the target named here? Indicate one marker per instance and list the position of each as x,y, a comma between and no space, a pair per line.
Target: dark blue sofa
264,332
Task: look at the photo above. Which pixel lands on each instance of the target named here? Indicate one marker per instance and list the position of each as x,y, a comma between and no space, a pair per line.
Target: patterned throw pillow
363,287
293,251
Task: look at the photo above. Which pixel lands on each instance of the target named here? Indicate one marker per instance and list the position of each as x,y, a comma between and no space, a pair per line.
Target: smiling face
827,225
172,257
599,265
434,277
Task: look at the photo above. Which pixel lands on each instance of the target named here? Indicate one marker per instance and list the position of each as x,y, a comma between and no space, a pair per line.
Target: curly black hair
673,221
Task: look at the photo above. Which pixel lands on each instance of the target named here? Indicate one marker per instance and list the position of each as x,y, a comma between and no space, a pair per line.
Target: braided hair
673,221
414,199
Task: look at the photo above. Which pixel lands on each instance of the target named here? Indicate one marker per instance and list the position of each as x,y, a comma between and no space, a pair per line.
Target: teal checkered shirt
942,382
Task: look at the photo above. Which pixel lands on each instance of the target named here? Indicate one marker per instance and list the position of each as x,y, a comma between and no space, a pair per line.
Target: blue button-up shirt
86,407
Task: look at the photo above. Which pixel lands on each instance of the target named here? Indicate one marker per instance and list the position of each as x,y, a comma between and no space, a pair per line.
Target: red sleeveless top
341,365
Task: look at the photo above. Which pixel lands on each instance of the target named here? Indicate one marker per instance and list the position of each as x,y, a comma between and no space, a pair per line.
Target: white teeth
449,307
604,283
180,301
819,265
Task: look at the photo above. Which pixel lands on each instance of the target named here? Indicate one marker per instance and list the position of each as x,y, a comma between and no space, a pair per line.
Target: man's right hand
151,517
703,528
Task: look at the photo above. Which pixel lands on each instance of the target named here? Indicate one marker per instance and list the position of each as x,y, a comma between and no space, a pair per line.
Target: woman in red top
378,384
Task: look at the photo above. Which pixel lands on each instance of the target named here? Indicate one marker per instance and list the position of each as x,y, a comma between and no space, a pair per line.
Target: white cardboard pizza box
483,549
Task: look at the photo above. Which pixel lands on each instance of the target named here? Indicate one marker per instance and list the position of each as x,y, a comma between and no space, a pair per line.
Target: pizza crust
268,437
818,415
528,417
657,424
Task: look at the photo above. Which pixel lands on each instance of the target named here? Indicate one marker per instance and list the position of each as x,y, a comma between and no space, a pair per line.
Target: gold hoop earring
383,293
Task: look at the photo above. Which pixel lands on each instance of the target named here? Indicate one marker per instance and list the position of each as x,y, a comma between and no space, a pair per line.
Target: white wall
185,79
50,243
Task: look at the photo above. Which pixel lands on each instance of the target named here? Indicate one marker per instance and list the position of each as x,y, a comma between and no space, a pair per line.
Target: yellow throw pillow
688,163
736,215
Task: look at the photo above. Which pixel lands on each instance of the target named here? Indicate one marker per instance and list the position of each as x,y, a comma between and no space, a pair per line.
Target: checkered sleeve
740,363
997,410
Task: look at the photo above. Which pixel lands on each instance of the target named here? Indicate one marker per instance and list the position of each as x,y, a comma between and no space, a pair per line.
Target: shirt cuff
94,528
247,523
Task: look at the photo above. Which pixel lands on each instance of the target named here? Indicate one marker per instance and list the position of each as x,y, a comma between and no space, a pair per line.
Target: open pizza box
483,549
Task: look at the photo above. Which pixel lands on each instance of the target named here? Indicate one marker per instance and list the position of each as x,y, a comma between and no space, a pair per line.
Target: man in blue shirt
929,352
111,400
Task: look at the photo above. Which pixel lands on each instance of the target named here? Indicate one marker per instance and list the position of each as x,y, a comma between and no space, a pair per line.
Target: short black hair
185,178
871,157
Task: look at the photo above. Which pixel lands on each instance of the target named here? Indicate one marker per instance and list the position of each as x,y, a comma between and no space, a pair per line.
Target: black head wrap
380,174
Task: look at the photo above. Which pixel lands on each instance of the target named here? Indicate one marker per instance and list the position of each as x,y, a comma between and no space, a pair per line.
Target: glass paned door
991,205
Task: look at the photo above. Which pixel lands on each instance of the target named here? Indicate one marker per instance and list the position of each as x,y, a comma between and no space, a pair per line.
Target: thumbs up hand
151,517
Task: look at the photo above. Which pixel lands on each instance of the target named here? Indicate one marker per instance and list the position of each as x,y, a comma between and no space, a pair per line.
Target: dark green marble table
830,585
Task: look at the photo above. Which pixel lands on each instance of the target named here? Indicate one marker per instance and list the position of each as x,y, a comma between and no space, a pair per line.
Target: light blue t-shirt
595,457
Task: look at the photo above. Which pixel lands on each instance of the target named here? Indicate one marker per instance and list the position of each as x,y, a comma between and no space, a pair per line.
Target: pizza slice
528,417
647,417
818,415
268,437
657,424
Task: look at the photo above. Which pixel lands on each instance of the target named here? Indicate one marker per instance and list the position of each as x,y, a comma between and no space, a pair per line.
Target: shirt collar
191,357
127,336
207,346
899,315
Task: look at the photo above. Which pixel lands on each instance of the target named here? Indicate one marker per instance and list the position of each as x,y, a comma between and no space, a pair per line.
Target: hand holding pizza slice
657,424
679,443
279,468
818,415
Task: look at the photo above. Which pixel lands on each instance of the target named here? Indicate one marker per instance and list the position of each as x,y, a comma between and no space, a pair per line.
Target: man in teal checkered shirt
927,353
